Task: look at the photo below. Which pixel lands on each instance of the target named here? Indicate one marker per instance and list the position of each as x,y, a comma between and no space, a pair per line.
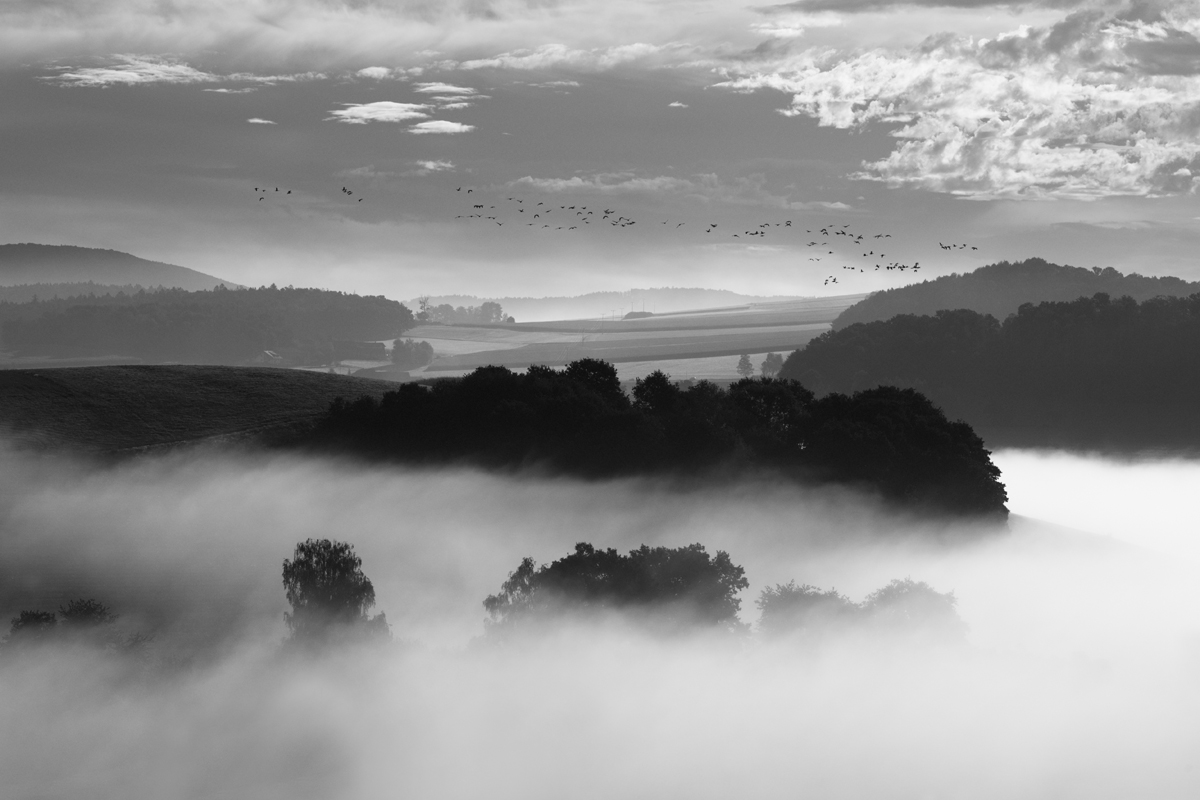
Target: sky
1065,129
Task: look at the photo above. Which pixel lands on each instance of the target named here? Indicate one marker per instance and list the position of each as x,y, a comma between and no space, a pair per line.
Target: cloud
375,73
436,166
454,106
134,70
443,88
605,183
560,55
246,90
1081,109
440,126
381,111
677,104
259,121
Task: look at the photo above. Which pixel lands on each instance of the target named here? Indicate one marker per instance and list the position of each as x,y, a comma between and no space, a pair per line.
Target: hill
1090,374
124,408
605,304
47,263
298,326
1000,289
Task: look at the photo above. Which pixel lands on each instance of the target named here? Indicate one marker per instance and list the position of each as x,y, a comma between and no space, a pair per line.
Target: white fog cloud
381,111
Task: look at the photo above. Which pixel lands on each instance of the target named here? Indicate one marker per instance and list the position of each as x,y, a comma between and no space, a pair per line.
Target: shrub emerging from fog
905,607
329,595
80,622
579,421
409,354
671,588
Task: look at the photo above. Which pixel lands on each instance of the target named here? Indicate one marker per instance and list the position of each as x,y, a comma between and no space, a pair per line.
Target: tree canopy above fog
1093,372
578,421
1000,289
671,587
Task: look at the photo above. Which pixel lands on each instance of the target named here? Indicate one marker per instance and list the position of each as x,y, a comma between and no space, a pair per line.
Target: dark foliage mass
408,354
1092,373
671,588
1000,289
329,595
86,622
903,606
487,313
579,421
218,327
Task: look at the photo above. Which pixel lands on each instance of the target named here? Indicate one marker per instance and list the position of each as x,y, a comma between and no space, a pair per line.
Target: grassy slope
115,408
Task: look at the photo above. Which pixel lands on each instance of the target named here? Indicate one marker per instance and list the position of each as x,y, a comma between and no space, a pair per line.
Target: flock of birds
264,193
546,215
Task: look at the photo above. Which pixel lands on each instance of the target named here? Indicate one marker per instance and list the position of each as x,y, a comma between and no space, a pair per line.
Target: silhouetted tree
329,594
788,608
744,367
771,365
31,627
672,588
408,354
915,607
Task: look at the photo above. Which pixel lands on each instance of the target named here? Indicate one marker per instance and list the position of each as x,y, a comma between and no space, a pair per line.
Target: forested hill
219,327
45,263
1094,373
999,289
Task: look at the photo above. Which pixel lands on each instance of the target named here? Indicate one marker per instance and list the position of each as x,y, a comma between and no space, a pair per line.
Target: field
124,408
705,343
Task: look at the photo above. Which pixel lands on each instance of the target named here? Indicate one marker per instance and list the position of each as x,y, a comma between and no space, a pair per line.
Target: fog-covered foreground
1082,677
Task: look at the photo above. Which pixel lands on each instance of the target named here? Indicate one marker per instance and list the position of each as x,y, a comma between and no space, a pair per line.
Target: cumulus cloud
440,126
454,106
677,104
1081,109
436,166
381,111
259,121
246,90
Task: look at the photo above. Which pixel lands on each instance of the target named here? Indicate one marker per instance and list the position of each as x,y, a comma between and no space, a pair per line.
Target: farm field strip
635,350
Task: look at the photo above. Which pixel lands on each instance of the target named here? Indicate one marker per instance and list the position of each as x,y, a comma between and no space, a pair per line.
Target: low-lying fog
1081,677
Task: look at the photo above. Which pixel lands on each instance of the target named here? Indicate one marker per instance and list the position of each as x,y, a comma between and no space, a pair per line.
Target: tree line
1093,372
487,313
221,326
1000,289
578,421
667,590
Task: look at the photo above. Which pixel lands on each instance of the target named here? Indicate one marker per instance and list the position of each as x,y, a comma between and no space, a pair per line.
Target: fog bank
1081,677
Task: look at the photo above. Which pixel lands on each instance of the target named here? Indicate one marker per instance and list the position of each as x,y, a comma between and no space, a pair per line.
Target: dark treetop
579,422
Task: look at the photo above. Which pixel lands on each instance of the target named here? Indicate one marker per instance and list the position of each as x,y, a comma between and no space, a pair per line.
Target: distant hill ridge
1000,289
596,304
46,263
